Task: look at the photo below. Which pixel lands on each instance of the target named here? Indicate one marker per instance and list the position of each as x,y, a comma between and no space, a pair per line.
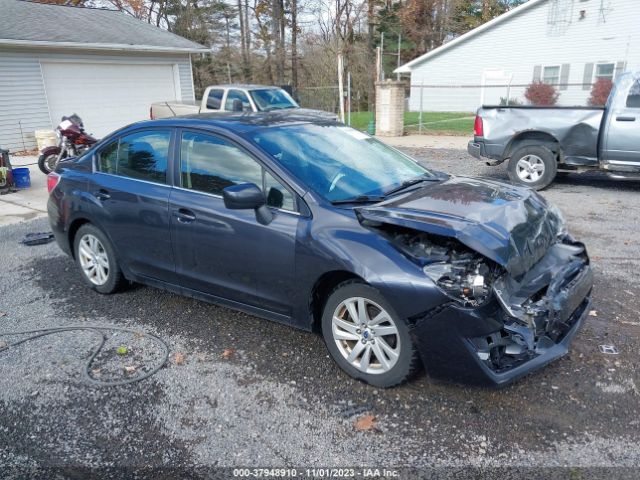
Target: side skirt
198,295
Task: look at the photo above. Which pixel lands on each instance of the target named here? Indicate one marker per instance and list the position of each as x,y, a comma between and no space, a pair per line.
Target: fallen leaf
179,358
3,314
593,313
228,353
2,344
130,369
96,371
364,423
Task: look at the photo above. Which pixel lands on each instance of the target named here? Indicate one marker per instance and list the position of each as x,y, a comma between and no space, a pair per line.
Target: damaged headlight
467,282
562,223
463,274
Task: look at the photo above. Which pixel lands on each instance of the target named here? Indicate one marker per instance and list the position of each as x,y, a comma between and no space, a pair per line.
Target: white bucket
46,138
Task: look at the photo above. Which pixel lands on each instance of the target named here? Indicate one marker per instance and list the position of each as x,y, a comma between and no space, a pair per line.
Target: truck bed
174,108
575,128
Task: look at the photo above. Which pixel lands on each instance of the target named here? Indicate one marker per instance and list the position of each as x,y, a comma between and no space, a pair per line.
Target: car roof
241,122
246,86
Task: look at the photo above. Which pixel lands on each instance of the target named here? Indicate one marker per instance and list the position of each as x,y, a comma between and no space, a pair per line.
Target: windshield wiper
409,183
359,199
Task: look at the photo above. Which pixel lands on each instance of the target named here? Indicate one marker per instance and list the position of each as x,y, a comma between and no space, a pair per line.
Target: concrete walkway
28,203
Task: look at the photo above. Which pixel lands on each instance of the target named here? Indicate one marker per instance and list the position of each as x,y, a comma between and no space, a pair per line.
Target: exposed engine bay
464,275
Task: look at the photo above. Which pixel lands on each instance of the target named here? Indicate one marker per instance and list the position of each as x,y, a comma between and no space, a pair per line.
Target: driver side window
209,164
633,99
237,95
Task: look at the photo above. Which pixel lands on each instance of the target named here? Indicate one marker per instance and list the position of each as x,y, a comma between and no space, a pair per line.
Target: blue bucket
21,178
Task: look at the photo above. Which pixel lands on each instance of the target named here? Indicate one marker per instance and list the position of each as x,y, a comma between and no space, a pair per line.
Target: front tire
47,163
366,338
96,260
533,166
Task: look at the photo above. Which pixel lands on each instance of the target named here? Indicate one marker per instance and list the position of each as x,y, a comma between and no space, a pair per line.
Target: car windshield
272,99
339,162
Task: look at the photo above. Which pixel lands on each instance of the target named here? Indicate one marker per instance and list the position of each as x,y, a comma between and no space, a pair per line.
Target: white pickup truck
232,98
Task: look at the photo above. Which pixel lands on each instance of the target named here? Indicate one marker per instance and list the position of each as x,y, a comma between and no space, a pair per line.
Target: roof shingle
31,23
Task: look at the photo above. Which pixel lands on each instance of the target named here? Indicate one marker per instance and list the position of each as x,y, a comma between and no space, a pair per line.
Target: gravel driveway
241,391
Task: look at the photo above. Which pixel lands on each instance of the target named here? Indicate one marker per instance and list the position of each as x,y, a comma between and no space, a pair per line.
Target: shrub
540,93
511,102
600,92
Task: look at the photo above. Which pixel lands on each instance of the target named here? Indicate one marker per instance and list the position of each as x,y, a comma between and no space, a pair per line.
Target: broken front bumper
528,323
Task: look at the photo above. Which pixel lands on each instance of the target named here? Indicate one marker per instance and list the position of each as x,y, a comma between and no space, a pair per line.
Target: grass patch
456,123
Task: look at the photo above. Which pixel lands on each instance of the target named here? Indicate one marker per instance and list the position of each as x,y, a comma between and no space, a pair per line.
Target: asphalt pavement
242,391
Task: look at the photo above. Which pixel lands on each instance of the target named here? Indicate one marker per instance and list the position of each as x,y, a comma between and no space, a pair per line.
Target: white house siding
609,33
23,101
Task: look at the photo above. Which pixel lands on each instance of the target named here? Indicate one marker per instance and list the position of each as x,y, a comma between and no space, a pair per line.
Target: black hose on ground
98,329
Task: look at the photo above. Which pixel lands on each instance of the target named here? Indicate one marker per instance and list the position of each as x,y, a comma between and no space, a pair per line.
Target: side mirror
236,105
247,196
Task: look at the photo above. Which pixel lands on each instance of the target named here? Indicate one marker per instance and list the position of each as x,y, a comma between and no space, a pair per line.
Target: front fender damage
502,326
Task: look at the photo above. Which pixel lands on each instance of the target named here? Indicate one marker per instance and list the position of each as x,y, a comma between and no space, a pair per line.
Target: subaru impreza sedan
304,221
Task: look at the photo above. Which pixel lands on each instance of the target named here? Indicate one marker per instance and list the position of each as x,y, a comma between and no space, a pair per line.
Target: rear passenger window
633,100
214,100
141,155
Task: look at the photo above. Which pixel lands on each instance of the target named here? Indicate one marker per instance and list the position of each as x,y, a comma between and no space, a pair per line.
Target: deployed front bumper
526,325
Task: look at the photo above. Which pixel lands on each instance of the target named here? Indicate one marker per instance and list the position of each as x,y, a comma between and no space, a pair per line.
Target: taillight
478,129
151,113
52,180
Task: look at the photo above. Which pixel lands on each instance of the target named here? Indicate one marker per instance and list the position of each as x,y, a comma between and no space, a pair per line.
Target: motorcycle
72,141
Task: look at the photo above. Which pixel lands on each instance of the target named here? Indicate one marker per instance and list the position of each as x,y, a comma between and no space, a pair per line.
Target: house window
605,71
551,75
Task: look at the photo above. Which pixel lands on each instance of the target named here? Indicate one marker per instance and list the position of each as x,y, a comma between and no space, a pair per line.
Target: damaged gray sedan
304,221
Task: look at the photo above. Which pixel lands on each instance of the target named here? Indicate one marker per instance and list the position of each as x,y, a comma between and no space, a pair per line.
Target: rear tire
375,348
532,166
96,260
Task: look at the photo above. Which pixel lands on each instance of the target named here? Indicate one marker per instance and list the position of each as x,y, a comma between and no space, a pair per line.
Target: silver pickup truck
538,142
233,98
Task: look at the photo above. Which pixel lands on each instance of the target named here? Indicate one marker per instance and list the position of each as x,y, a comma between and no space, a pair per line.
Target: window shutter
537,73
588,76
564,76
620,68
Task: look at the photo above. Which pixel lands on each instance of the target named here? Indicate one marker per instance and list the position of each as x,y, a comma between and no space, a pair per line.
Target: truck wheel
533,166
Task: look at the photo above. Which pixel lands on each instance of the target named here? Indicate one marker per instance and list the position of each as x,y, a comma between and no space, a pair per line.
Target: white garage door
107,96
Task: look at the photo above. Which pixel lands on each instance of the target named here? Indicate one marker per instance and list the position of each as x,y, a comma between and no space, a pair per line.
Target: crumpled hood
511,225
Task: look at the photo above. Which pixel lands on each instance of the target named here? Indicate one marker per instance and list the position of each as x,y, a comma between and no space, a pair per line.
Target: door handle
102,195
626,119
185,216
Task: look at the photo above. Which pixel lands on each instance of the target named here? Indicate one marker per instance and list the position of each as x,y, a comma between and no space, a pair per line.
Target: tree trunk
244,41
294,46
247,29
371,46
277,18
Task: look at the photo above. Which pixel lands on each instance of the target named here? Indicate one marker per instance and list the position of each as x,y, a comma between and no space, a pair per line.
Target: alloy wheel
530,168
366,335
93,259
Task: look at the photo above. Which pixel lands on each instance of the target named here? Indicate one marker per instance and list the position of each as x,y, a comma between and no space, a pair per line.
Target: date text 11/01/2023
315,473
